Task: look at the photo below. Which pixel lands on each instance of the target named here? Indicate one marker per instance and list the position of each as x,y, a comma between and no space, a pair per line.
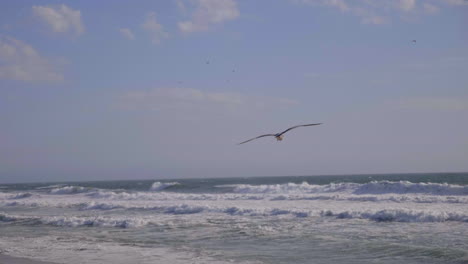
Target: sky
100,90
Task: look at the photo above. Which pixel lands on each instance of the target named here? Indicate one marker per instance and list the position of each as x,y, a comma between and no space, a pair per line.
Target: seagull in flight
279,136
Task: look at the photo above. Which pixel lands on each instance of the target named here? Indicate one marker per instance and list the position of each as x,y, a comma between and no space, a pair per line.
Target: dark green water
211,185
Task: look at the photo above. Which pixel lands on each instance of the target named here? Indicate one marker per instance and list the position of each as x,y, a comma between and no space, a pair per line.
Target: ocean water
397,218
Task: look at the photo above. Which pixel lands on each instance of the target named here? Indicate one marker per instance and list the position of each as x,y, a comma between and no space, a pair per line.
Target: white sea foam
77,221
83,220
375,187
401,215
290,188
78,248
100,206
375,201
93,221
109,200
382,187
159,186
69,190
20,195
50,186
8,218
150,196
375,211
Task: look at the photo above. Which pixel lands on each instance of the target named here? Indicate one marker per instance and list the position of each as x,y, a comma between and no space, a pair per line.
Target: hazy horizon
236,177
166,89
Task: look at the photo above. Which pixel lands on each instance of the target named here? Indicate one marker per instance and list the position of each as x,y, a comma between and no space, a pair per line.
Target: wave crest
69,190
159,186
375,187
400,215
20,196
382,187
292,188
76,221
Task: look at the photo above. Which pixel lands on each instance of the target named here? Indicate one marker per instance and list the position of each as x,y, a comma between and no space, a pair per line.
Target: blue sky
165,89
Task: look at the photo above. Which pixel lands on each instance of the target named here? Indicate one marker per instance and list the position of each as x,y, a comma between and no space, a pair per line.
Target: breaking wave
402,187
20,196
50,186
400,215
159,186
100,206
290,188
69,190
375,187
387,215
75,221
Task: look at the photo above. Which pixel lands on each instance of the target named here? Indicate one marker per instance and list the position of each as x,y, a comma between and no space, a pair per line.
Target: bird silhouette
279,136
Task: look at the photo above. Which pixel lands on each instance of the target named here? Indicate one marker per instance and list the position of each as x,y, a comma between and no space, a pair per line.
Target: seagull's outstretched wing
266,135
297,127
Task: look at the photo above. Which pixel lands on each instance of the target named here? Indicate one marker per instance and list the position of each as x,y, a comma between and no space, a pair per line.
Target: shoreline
6,259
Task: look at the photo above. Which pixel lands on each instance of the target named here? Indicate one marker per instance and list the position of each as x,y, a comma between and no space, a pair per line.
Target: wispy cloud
19,61
438,63
381,12
430,9
181,5
154,29
364,10
127,33
190,99
455,2
407,5
209,13
60,19
435,103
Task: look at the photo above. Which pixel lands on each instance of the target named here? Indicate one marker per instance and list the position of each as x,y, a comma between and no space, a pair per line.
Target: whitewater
397,218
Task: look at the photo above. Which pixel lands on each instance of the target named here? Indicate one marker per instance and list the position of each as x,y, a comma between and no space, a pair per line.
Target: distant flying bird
414,41
279,136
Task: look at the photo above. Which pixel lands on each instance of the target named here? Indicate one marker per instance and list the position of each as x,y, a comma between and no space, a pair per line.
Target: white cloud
154,29
19,61
340,4
127,33
180,4
191,99
209,13
60,19
435,103
430,9
373,19
363,9
456,2
382,12
407,5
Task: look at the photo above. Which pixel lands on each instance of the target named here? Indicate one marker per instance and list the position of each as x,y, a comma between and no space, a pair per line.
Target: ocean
385,218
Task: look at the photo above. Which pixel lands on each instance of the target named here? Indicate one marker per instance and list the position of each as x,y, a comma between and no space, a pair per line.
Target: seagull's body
279,136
